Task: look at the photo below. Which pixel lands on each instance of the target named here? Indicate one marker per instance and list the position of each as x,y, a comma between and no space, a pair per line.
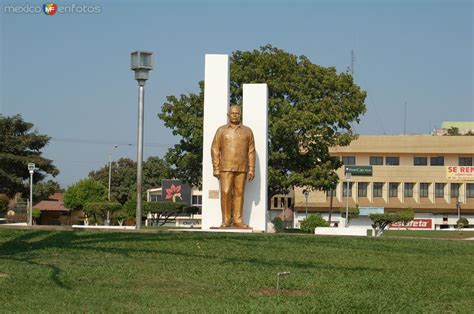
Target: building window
197,200
349,160
275,202
439,190
282,202
362,189
420,161
376,160
455,190
155,197
470,190
437,161
289,202
465,161
424,189
378,186
392,161
393,189
408,190
344,190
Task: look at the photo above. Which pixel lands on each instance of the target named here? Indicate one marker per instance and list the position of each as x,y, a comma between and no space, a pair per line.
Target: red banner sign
415,224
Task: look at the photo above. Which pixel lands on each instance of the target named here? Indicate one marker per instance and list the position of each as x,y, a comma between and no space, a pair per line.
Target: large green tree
84,191
20,144
124,176
42,190
311,108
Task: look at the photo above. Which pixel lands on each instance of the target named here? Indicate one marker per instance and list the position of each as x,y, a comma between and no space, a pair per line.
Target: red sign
415,224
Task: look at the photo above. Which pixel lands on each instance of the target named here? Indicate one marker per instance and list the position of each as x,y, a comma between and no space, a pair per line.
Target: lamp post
458,206
348,179
141,63
306,195
31,169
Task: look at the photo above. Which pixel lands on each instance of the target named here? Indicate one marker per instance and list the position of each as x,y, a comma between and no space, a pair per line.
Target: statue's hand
251,175
216,174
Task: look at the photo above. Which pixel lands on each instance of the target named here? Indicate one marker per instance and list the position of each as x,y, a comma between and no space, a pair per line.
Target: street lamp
141,63
348,179
458,206
31,169
306,195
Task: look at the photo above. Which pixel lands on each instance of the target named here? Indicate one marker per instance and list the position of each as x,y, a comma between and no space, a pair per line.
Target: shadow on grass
30,243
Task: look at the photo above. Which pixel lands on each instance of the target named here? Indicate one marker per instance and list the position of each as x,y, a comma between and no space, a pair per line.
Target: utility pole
352,62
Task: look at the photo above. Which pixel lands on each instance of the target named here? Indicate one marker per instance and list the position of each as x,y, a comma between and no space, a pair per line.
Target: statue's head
234,114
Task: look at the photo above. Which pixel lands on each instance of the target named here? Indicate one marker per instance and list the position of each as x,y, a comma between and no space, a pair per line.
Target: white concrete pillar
216,102
255,116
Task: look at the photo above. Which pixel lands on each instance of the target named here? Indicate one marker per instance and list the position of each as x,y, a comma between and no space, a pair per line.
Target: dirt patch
3,275
288,292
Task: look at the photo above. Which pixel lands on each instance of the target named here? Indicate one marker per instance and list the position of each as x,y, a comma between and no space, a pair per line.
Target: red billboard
414,224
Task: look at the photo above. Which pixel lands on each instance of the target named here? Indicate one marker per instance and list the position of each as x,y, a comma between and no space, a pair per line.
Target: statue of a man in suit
233,161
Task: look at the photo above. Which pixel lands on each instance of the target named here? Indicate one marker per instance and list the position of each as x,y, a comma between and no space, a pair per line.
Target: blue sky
69,73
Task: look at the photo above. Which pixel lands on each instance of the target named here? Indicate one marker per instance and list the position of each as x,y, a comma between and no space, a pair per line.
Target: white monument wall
255,112
216,100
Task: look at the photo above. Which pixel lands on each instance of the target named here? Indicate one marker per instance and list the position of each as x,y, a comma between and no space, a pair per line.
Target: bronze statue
233,160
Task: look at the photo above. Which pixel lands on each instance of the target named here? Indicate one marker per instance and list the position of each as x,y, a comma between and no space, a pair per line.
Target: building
462,127
433,175
53,211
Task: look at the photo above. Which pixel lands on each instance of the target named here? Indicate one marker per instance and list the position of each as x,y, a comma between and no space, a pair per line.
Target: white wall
216,101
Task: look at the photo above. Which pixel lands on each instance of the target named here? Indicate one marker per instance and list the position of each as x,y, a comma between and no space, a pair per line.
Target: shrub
36,214
312,222
97,211
4,201
278,224
353,212
462,222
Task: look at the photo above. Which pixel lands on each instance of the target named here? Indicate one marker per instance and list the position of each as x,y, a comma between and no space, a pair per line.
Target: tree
97,211
124,176
84,191
20,145
353,213
381,221
404,217
462,222
311,108
42,190
453,131
165,211
312,222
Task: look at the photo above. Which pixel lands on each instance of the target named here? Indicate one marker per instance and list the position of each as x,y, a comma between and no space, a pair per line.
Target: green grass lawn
85,271
439,234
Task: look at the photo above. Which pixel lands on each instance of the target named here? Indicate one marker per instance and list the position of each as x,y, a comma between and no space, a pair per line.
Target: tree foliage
312,222
462,222
381,221
36,214
124,176
43,190
97,211
163,210
311,108
352,211
20,145
278,224
84,191
4,201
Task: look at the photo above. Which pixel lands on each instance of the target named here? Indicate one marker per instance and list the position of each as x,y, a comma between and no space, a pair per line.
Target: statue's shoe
240,225
225,225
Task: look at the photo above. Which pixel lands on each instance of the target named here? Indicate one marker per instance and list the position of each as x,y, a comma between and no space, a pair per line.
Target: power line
106,142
